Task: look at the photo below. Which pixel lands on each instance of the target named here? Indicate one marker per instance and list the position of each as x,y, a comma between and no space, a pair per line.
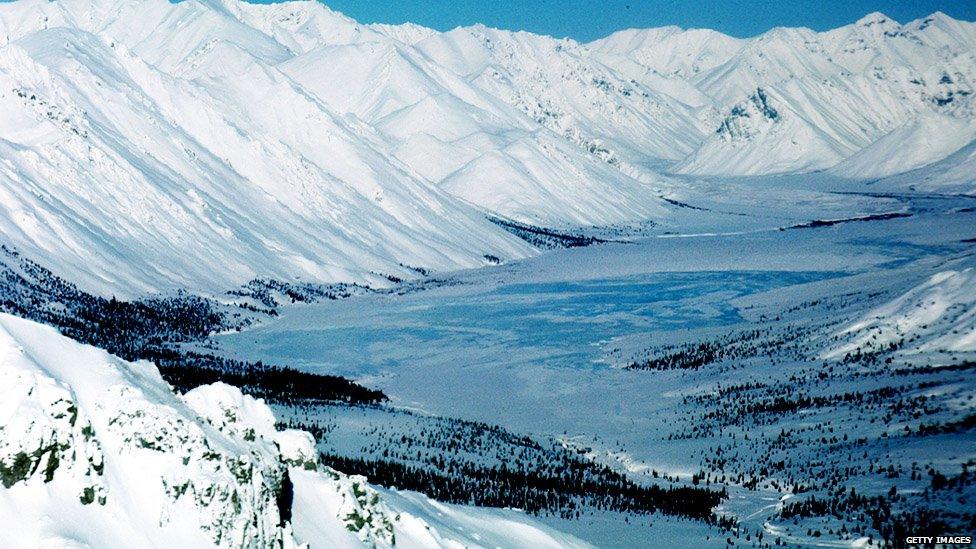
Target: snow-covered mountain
99,452
835,93
150,145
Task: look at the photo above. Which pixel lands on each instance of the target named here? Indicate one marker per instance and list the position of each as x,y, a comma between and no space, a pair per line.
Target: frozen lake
551,324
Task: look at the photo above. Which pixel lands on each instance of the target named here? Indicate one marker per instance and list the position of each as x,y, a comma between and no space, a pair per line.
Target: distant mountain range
148,145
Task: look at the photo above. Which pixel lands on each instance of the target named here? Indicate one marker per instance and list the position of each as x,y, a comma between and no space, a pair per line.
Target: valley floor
761,361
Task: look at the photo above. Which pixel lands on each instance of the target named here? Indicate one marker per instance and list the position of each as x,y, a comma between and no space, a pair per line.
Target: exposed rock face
43,435
78,421
743,118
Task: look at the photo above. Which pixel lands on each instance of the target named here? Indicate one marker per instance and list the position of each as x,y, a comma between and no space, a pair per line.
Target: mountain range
150,145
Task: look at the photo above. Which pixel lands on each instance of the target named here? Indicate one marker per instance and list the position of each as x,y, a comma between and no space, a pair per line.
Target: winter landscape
270,277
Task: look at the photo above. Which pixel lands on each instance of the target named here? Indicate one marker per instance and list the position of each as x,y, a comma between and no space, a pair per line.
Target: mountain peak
936,17
875,18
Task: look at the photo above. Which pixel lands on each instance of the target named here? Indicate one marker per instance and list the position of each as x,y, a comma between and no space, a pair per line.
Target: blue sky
589,19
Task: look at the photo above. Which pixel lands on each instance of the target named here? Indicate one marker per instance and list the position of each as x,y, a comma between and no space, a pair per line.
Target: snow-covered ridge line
105,446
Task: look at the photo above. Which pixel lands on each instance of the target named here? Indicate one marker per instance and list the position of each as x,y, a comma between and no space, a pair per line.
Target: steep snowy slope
877,43
558,84
763,135
953,174
440,120
880,77
130,179
939,30
669,51
775,56
937,316
934,137
450,131
300,26
803,125
289,132
98,452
